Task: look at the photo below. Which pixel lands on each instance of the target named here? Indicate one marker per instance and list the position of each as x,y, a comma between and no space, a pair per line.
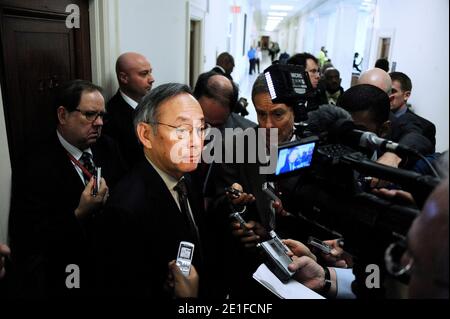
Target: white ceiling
262,7
297,4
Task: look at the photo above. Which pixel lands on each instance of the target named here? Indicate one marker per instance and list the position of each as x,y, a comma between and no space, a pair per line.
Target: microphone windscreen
325,118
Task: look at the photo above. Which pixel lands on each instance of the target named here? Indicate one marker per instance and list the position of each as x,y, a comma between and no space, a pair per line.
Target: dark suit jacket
139,234
45,234
120,127
414,131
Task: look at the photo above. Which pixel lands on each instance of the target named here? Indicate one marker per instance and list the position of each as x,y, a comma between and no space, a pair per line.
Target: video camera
290,84
332,162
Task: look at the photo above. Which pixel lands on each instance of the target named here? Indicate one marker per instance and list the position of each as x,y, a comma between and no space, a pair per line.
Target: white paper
291,290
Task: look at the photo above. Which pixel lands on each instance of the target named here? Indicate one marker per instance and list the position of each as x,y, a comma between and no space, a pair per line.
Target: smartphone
97,180
270,191
324,248
233,191
184,257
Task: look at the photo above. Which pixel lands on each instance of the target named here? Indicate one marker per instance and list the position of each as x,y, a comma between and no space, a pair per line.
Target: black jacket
120,127
139,234
45,234
414,131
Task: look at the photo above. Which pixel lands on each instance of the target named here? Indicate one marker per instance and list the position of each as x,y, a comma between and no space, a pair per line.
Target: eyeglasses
394,258
314,72
92,116
183,130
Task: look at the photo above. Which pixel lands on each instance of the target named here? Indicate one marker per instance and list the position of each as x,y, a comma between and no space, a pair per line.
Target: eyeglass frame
203,130
314,72
97,115
391,264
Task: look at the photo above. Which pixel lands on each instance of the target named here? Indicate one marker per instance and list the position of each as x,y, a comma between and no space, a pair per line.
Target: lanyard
77,163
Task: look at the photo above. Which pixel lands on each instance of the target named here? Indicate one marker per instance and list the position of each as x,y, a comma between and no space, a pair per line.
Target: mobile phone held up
184,257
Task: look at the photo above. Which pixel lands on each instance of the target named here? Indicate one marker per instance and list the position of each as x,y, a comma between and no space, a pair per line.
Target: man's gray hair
147,110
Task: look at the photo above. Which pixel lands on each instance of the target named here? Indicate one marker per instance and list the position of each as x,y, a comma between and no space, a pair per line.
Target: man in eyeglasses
134,74
311,65
155,207
55,195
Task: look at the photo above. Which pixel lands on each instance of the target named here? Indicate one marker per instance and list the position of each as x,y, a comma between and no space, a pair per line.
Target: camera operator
311,65
410,133
369,107
260,212
425,257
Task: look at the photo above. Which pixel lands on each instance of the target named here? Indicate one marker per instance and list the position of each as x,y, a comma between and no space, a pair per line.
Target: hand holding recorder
89,204
183,287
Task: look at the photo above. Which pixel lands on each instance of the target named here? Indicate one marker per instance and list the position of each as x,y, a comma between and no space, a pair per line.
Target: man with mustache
134,74
53,197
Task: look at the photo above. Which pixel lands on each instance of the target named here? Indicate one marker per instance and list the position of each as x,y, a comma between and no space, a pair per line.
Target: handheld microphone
372,141
337,123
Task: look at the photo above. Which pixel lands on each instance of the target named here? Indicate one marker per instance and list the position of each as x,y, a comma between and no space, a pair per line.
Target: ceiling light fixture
278,14
281,8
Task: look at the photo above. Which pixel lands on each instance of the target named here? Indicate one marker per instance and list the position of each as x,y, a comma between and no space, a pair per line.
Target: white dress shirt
129,100
75,152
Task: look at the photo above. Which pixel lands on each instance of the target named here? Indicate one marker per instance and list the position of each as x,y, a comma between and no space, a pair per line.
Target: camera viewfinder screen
294,158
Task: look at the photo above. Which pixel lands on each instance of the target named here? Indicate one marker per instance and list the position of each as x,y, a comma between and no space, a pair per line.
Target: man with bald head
377,77
409,134
217,96
134,74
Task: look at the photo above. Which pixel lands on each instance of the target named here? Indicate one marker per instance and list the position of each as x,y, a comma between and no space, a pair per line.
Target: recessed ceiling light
278,14
281,8
275,18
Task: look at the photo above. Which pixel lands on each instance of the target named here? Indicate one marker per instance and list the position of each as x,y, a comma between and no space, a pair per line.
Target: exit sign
235,9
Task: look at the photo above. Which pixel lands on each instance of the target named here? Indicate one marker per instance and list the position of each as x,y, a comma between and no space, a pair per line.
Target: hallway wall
157,29
160,30
420,31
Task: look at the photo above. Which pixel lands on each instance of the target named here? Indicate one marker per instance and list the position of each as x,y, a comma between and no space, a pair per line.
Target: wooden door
38,53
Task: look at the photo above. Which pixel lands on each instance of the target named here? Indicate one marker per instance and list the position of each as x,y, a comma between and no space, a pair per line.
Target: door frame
105,43
196,12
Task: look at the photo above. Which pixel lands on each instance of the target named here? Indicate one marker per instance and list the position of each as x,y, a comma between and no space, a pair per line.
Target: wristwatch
327,286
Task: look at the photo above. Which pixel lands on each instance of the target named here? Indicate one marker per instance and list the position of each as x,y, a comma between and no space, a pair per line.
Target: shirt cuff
344,279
